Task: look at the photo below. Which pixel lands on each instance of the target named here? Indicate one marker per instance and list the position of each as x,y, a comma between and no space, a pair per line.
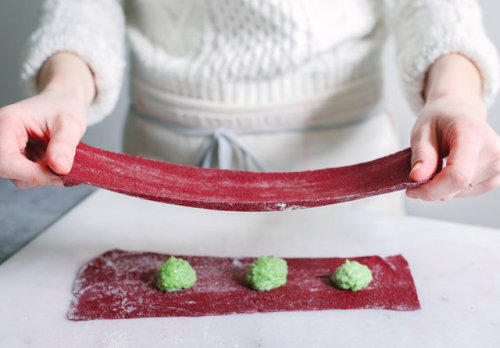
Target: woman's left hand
454,127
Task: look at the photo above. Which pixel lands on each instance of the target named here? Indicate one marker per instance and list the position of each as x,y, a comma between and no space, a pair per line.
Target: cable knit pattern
252,52
259,52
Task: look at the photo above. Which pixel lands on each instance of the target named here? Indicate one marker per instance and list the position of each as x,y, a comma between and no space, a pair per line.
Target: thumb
61,149
425,155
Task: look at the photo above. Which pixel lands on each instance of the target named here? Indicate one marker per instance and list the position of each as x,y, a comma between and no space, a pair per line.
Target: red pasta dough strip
237,190
120,284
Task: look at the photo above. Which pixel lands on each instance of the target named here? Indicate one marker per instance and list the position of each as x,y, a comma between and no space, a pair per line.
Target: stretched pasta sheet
121,284
238,190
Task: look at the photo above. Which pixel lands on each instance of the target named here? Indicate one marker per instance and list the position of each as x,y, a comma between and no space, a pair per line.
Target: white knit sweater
258,52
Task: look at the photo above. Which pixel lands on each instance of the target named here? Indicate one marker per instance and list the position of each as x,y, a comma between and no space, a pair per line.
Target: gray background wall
18,20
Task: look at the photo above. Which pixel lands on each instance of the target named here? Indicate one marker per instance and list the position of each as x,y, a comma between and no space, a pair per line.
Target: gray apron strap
219,149
222,144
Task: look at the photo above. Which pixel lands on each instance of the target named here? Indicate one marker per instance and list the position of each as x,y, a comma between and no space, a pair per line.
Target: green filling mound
352,276
175,274
266,273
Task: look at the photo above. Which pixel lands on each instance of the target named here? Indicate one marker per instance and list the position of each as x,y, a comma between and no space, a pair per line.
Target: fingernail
412,194
56,182
61,160
24,185
416,165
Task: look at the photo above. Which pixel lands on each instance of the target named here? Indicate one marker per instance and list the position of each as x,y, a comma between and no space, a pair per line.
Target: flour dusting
120,284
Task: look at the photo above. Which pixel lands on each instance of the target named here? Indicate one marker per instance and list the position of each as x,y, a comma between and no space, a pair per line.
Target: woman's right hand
39,135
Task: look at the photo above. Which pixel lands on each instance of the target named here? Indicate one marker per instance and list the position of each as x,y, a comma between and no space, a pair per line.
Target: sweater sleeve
425,30
92,29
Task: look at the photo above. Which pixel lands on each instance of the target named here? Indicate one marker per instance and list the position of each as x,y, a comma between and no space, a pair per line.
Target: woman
247,84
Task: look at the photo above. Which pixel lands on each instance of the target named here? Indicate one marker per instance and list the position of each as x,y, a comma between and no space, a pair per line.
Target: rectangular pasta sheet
120,284
238,190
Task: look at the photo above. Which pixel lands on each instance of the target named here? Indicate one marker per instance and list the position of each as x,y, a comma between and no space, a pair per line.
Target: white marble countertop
455,267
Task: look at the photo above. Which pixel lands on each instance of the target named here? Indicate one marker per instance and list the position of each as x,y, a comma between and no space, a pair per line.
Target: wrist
68,74
453,76
454,105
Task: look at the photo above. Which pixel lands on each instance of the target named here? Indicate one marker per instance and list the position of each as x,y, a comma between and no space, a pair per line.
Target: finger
458,173
481,188
65,136
489,163
17,167
13,164
425,153
23,185
462,162
439,188
449,197
487,174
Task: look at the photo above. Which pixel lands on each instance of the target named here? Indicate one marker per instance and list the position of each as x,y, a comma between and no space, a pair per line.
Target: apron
344,127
